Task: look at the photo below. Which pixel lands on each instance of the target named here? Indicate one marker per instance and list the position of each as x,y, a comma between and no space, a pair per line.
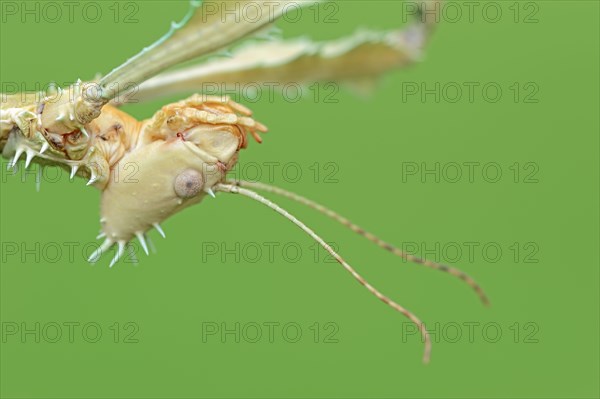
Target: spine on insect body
146,170
84,149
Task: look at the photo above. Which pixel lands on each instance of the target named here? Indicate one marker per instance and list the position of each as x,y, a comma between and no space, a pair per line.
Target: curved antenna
369,236
233,189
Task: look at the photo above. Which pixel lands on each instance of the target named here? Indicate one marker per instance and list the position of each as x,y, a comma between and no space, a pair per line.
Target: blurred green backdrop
238,303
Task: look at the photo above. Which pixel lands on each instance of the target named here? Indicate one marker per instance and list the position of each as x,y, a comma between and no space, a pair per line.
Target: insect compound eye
188,183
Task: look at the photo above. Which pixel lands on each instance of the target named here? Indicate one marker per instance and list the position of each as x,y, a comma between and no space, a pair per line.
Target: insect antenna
371,237
235,189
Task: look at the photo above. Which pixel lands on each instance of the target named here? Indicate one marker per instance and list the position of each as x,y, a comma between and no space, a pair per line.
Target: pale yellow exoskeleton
183,153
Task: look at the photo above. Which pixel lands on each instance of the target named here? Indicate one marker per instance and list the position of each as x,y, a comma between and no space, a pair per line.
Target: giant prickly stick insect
186,149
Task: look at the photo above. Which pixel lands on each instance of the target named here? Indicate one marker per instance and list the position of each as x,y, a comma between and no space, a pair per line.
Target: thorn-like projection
93,179
159,229
266,36
85,132
101,235
52,90
98,253
74,169
15,159
271,34
119,254
28,158
78,86
142,240
275,30
211,193
60,117
44,148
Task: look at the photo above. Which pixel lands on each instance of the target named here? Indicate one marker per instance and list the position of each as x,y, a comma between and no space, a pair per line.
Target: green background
173,293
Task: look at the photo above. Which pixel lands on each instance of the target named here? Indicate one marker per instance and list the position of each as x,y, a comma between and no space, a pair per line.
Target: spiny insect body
183,153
